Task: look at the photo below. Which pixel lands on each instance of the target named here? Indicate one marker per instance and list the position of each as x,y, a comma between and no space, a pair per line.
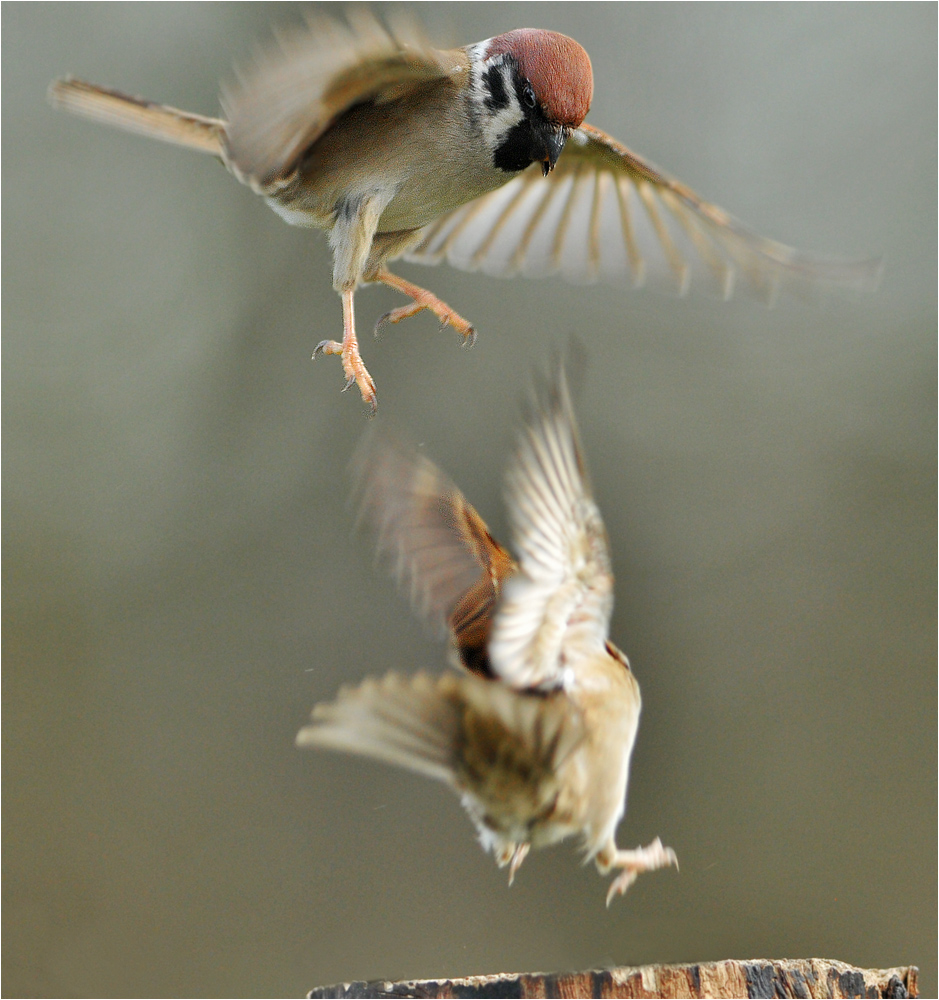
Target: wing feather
475,735
564,583
439,546
412,722
606,214
291,94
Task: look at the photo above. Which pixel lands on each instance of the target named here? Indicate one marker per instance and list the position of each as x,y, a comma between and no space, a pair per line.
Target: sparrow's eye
528,95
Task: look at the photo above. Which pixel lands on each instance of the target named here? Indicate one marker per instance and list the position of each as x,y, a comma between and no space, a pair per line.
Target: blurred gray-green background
183,578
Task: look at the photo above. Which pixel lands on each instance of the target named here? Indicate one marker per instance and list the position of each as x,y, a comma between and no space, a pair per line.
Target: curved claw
468,335
619,886
518,856
326,347
355,371
369,396
421,299
382,320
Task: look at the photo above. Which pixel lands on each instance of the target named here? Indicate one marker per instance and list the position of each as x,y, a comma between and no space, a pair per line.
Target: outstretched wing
563,590
606,214
285,101
503,747
413,722
439,547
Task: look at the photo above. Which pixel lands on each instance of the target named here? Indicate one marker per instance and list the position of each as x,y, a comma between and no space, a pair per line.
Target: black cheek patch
517,149
498,96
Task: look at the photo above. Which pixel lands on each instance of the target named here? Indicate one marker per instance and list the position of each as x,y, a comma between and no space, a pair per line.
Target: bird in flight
536,728
478,155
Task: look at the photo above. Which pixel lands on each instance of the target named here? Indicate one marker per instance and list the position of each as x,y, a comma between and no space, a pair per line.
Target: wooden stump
802,978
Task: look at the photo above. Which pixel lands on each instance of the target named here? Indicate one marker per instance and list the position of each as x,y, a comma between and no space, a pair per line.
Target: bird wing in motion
439,547
564,583
507,620
291,95
472,734
606,214
285,100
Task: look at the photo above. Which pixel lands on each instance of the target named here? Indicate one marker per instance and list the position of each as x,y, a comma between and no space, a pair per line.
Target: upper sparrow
479,155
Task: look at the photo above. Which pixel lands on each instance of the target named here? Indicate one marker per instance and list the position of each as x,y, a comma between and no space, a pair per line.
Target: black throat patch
524,143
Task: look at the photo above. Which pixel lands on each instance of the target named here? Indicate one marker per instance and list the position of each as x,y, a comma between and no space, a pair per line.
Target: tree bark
802,978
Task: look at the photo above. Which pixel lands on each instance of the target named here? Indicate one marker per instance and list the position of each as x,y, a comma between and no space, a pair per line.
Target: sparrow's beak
554,144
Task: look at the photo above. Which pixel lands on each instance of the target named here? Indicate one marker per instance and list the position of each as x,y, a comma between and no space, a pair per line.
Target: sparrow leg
422,299
633,863
352,363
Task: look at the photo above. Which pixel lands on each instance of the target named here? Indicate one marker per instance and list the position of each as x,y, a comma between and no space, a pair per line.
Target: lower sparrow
535,731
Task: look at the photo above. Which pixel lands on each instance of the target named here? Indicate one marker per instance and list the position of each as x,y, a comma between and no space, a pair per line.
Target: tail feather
135,114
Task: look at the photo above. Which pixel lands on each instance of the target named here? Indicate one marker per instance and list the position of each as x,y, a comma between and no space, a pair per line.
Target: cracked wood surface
802,978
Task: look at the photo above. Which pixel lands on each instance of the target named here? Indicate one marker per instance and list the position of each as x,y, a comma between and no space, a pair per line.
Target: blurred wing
439,547
284,102
564,582
605,214
413,722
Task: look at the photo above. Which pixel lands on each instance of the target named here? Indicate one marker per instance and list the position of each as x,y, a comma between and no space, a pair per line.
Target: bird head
531,89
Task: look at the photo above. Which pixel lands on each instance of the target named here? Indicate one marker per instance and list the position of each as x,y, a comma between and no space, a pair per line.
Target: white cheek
496,125
477,52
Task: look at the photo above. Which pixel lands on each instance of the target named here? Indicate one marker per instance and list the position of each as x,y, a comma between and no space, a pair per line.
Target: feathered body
536,731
